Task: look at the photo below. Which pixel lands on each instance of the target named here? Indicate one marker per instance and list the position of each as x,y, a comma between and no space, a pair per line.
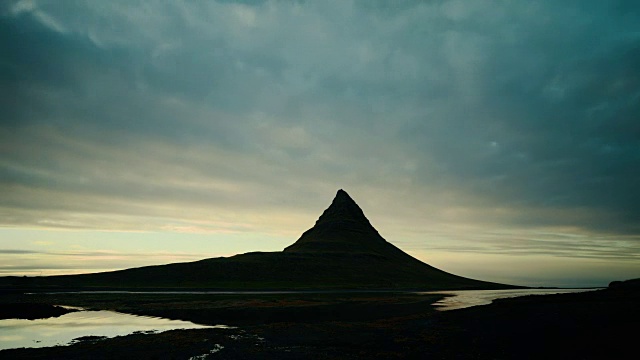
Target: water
468,298
16,333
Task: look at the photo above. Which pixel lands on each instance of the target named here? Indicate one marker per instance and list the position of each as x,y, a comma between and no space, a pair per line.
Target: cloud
35,262
206,116
95,253
566,245
9,251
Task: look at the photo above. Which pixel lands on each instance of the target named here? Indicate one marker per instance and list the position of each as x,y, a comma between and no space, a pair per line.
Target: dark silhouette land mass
342,251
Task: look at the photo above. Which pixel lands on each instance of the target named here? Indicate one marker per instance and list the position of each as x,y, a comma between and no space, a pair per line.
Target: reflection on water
16,333
467,298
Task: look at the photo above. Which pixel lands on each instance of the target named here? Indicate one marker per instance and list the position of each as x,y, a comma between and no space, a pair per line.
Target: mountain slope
341,251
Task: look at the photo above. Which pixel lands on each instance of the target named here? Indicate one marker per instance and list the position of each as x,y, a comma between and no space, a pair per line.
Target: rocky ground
595,325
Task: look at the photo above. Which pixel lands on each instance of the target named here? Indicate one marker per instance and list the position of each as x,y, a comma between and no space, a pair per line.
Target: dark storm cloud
121,107
549,118
66,81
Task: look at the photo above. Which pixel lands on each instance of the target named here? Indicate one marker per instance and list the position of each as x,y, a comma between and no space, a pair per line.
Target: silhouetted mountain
341,251
342,228
632,284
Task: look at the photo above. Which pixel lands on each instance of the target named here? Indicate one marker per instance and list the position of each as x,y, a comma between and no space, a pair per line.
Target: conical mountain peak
343,209
342,227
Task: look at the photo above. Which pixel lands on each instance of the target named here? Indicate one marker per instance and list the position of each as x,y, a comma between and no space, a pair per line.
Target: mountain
341,251
342,228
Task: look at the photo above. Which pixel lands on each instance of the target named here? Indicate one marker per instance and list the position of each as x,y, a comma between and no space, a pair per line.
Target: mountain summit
341,251
343,209
342,227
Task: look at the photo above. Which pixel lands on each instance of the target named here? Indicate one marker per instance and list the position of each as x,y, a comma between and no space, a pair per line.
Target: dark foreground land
595,325
31,311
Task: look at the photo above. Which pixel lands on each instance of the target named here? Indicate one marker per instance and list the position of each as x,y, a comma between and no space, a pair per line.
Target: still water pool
16,333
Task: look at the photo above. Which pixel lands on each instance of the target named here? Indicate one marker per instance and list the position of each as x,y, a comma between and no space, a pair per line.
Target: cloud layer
247,116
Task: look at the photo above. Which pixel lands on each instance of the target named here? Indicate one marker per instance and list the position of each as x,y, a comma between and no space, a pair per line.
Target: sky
498,140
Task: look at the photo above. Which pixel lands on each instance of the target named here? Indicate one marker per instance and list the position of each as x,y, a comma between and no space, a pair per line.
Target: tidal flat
592,325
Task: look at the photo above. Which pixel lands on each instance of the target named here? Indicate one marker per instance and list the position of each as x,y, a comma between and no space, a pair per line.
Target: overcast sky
493,139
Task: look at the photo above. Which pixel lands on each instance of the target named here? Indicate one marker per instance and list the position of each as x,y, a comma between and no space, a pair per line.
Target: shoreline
589,325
